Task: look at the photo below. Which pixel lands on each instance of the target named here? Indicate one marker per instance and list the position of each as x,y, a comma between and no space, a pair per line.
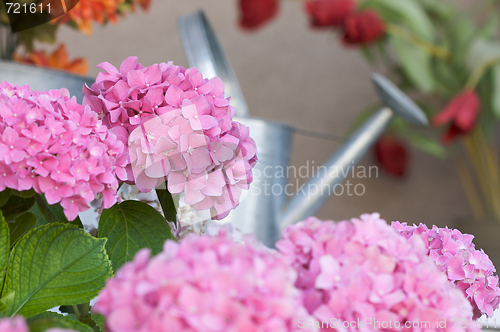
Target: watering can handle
204,52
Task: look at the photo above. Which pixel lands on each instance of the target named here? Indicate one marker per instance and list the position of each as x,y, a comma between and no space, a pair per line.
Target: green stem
77,311
469,189
85,310
479,71
432,49
491,168
475,159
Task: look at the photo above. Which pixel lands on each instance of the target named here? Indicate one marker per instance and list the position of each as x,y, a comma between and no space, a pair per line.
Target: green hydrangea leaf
99,320
4,246
6,302
20,226
167,204
4,196
47,320
131,226
55,264
23,194
53,213
16,206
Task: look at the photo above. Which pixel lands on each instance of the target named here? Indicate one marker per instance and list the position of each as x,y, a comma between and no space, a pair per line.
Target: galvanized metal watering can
265,215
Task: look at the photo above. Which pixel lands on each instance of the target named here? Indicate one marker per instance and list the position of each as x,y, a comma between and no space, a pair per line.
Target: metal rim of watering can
204,52
266,121
39,78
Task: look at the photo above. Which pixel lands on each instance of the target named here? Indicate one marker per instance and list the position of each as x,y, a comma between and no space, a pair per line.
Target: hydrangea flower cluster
469,269
58,147
203,284
178,128
18,324
364,271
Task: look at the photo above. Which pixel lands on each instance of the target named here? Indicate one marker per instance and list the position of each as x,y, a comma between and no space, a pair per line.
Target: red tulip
363,27
325,13
254,13
392,156
461,112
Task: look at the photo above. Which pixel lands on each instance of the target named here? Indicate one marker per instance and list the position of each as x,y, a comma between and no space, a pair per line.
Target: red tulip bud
392,156
324,13
255,13
461,112
363,27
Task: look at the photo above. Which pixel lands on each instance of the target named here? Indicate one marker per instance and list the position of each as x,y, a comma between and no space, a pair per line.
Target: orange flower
83,13
57,60
100,11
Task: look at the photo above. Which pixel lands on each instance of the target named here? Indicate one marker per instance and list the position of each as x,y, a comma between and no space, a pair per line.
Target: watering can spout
308,201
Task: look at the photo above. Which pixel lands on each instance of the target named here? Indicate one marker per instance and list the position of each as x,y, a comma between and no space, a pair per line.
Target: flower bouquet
19,33
446,57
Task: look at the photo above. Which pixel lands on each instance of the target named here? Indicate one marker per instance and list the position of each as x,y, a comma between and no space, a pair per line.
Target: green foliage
23,194
167,204
6,302
45,33
55,264
130,226
4,196
16,206
47,320
491,28
495,98
4,247
99,320
20,226
52,213
461,32
448,78
486,94
408,12
426,144
482,52
439,9
416,64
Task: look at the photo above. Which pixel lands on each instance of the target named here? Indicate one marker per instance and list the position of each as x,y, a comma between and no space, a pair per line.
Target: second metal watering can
265,212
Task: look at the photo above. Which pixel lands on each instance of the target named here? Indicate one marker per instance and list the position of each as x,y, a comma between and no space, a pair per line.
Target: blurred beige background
290,73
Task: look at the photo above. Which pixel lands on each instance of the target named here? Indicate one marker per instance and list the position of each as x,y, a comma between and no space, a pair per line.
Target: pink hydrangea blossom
58,147
364,271
469,269
18,324
178,128
203,284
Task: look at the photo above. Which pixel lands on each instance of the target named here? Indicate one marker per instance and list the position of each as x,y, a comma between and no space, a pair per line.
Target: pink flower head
57,147
469,269
178,128
364,271
16,324
205,284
